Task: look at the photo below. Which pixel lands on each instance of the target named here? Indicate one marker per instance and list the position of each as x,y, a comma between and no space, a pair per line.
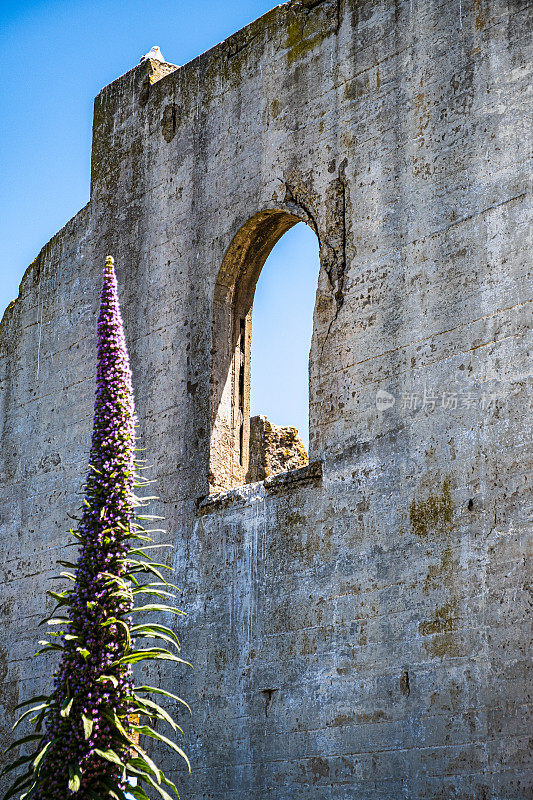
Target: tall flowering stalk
86,740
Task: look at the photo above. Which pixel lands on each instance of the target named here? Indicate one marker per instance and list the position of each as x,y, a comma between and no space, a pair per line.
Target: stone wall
273,449
357,627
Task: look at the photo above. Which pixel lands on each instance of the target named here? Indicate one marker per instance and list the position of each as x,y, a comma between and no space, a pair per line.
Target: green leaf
169,783
104,678
37,699
19,742
108,755
87,725
146,730
141,551
21,782
84,653
48,646
156,690
146,566
147,563
155,592
59,596
144,762
113,791
42,754
148,778
138,792
157,654
161,713
18,763
153,628
30,711
75,774
159,607
66,706
112,717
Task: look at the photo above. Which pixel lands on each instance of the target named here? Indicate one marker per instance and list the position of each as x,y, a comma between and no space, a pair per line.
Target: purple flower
89,735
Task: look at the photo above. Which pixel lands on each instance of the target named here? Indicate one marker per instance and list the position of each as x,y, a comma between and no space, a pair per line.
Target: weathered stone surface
273,449
358,630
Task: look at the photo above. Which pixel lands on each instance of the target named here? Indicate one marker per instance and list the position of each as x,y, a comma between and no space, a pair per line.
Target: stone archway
232,315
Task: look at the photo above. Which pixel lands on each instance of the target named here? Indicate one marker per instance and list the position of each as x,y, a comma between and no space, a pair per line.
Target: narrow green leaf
19,742
48,646
146,730
21,782
75,774
155,592
138,793
145,762
42,754
87,725
162,714
66,706
17,763
159,607
156,690
104,678
153,628
169,783
156,655
37,699
108,755
30,711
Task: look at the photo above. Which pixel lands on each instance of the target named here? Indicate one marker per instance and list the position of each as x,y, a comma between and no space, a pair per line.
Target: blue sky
57,55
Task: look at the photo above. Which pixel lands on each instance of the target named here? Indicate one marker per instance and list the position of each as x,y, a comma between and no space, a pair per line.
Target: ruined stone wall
357,627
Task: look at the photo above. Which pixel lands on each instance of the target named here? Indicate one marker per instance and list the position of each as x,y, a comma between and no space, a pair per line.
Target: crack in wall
300,208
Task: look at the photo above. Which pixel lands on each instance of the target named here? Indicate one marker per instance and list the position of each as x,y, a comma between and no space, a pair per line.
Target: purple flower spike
88,729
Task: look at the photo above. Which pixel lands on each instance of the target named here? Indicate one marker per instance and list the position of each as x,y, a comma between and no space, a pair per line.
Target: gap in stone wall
270,274
282,327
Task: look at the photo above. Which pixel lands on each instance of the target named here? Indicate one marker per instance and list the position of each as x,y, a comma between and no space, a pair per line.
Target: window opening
242,365
245,449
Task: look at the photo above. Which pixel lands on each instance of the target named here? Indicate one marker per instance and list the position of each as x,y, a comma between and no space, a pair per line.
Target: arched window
244,450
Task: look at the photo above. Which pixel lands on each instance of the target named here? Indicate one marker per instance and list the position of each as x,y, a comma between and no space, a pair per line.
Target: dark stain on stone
49,462
169,121
442,623
268,694
144,92
434,514
319,767
374,716
405,688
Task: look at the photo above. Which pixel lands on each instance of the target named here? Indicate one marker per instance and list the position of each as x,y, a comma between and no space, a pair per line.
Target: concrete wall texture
358,626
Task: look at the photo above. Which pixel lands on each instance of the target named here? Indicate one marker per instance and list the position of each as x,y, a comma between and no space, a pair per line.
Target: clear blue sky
57,55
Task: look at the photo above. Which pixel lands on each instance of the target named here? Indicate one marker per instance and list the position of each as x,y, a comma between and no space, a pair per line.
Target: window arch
232,326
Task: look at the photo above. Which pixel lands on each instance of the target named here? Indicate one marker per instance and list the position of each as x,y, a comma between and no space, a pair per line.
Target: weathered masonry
358,626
